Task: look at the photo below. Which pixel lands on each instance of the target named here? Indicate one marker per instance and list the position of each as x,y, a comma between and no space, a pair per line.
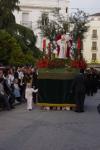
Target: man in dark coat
6,96
78,89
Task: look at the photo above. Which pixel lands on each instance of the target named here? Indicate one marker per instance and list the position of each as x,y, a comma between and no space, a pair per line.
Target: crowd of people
21,84
14,83
87,82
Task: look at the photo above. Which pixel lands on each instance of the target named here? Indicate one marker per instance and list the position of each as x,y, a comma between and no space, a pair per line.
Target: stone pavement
51,130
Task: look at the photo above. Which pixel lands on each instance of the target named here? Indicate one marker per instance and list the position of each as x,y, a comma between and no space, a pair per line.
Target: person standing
35,83
28,95
6,95
16,90
78,89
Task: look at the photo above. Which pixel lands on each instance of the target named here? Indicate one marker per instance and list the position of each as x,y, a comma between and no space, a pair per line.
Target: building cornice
38,7
95,15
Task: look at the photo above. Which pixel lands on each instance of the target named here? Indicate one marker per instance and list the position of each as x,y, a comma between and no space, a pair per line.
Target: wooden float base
49,106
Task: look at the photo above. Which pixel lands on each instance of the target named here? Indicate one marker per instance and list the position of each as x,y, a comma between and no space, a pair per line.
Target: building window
94,33
66,9
25,17
25,20
94,46
45,19
94,57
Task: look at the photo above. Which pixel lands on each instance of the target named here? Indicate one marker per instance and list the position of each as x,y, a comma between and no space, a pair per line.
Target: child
28,95
16,90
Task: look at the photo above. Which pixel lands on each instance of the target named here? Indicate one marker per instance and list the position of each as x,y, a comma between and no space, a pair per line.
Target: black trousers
79,100
5,101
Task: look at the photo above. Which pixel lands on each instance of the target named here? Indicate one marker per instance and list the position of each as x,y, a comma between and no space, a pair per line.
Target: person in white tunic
63,47
28,95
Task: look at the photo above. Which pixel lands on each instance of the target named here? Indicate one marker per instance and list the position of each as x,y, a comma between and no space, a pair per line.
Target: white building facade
31,11
91,42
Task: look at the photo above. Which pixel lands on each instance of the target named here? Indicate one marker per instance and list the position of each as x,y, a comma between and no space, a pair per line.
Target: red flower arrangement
55,63
61,63
81,64
43,63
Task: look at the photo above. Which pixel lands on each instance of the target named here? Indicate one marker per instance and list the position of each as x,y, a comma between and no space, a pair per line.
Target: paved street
51,130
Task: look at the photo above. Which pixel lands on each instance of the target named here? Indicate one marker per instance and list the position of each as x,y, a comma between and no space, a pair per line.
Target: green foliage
7,18
17,57
25,37
11,53
79,19
59,24
37,53
27,40
9,49
15,51
29,58
11,5
50,28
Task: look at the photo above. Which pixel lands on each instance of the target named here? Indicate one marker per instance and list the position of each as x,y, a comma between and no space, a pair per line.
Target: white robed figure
28,95
63,46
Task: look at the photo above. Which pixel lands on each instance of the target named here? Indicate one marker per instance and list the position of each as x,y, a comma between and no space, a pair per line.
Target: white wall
35,9
87,52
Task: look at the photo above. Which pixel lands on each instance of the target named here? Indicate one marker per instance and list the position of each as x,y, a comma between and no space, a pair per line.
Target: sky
89,6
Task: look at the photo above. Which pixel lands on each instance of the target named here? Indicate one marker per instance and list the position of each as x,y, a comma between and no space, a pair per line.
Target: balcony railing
94,37
94,48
